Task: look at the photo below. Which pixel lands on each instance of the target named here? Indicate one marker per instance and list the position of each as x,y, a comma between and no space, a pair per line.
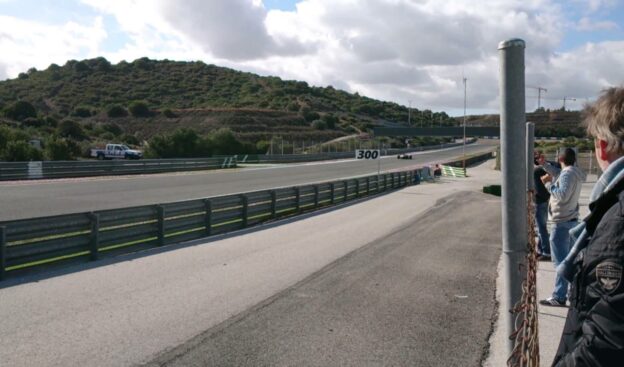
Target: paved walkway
551,319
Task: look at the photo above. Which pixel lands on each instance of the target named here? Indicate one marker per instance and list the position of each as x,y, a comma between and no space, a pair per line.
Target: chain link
525,352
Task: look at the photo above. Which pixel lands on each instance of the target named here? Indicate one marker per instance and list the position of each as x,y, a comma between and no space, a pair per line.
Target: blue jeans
541,216
560,246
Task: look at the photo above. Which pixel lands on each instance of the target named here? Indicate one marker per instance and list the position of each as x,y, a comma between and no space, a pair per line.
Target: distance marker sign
367,154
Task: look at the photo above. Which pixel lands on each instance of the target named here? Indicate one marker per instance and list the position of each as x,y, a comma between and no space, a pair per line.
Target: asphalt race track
27,199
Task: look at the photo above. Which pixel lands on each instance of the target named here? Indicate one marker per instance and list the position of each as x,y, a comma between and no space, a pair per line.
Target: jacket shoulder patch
609,275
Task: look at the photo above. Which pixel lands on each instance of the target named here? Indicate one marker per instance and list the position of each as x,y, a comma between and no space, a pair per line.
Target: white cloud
233,29
587,24
25,44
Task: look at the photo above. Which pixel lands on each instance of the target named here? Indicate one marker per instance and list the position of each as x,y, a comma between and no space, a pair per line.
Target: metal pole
530,142
464,145
514,216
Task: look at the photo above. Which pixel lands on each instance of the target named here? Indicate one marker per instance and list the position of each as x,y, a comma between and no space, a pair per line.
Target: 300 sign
367,154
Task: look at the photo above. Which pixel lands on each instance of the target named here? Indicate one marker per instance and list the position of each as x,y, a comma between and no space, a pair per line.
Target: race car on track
404,156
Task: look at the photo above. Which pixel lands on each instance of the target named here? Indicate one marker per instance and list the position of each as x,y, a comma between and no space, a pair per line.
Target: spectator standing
564,186
593,334
541,208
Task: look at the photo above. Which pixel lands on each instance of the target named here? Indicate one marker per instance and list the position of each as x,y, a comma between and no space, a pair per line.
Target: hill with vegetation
93,102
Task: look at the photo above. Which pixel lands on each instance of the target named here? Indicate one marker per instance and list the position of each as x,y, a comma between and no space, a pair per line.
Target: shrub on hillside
263,146
182,143
116,110
107,136
51,121
32,122
112,128
70,129
308,114
130,139
319,125
330,120
139,109
21,151
81,111
293,107
20,111
81,67
224,142
168,113
5,137
61,149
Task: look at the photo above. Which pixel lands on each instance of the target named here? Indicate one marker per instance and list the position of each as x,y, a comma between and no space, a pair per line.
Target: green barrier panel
453,171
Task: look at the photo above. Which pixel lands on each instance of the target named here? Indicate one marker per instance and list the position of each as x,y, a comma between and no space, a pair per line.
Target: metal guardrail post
357,187
207,217
94,240
333,192
385,181
513,154
316,196
3,242
273,204
298,199
346,190
245,203
367,185
160,210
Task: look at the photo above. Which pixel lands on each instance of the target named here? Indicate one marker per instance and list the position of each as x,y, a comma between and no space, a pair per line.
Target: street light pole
464,146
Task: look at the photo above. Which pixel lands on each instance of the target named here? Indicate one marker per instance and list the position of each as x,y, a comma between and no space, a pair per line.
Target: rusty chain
525,352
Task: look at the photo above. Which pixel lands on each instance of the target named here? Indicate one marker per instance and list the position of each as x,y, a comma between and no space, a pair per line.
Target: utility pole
409,113
464,146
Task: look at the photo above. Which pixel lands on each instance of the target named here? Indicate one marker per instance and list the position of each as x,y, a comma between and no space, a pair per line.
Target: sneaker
542,257
552,302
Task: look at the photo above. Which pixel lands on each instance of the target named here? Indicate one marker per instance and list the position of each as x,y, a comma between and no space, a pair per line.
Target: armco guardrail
35,242
63,169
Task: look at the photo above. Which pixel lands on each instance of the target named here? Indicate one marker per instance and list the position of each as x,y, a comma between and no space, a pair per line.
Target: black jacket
541,194
593,334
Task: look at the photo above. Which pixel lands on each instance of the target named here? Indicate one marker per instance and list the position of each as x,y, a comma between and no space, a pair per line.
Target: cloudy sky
398,50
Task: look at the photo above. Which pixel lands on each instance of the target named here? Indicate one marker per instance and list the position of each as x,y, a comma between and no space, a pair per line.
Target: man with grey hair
593,334
564,186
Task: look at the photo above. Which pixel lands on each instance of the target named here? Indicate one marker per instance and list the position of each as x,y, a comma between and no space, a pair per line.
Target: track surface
27,199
